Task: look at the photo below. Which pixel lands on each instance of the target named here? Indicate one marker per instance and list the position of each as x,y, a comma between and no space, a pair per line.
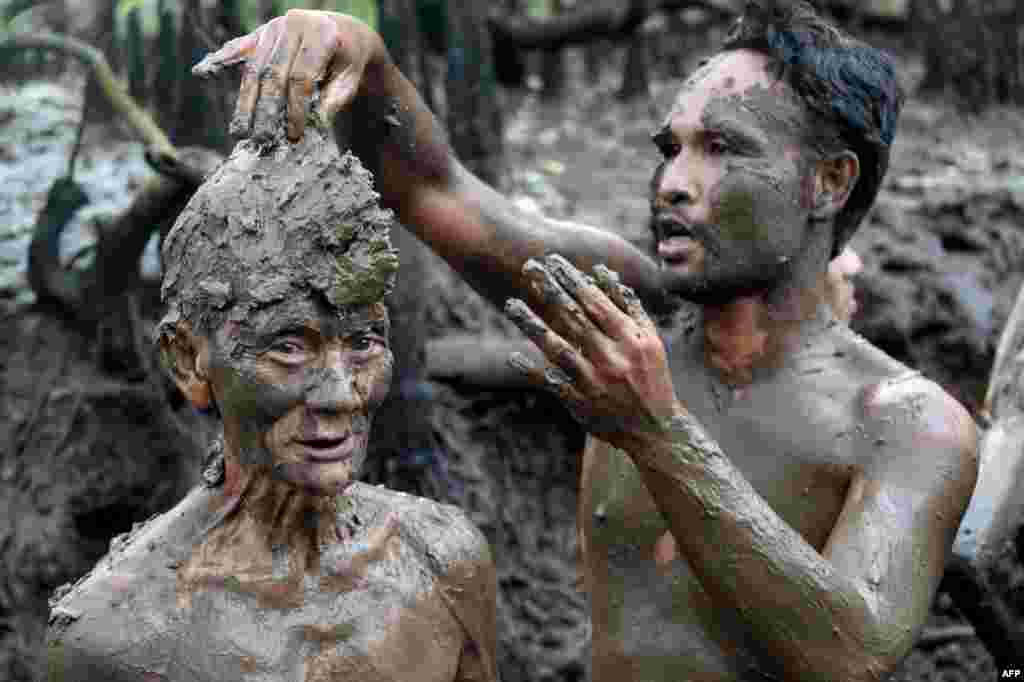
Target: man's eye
668,149
665,143
288,347
364,342
717,145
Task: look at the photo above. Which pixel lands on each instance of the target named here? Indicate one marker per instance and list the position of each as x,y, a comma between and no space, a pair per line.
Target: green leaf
250,15
126,6
538,9
17,232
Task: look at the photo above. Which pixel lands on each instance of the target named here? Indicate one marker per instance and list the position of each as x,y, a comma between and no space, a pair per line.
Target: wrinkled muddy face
298,383
731,199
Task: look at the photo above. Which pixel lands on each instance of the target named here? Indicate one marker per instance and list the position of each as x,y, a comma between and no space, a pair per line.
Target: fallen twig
934,637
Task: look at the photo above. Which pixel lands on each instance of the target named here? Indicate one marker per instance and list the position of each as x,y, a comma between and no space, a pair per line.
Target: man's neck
763,330
271,511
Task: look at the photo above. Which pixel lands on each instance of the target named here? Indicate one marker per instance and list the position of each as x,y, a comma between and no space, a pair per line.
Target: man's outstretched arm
482,234
849,612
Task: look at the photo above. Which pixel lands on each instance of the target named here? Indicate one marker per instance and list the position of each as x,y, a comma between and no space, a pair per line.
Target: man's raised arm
481,234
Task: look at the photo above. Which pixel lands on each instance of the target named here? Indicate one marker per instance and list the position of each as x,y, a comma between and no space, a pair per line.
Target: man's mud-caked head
774,151
275,279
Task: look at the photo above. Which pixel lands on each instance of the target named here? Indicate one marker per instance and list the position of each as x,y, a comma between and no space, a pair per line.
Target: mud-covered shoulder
459,557
151,548
442,534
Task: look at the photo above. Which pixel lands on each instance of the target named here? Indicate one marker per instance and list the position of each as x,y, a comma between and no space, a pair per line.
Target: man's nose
331,389
678,186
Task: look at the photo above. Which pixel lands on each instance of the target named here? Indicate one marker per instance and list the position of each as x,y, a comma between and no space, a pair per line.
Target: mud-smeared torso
393,619
797,436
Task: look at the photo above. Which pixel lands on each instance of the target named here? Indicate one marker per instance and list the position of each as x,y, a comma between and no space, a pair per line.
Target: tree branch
140,121
592,21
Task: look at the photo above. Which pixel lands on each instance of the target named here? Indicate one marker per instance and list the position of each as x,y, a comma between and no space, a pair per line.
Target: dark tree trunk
400,29
553,64
593,58
509,61
677,28
268,9
229,18
403,447
101,37
201,114
636,74
474,114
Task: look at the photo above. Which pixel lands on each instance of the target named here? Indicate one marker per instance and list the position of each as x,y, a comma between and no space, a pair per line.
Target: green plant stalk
114,88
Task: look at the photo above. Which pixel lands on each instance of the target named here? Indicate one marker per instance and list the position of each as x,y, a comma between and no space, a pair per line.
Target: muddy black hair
850,90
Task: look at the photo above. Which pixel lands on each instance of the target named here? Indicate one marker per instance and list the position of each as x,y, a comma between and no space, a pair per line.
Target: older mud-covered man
282,566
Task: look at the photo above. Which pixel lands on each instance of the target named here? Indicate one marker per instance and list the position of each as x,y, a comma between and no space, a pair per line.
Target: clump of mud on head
277,220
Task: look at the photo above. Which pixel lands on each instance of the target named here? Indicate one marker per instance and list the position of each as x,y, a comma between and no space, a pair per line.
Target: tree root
157,203
993,621
137,117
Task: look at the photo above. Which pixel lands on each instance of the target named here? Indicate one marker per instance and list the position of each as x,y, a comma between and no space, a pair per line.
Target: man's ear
186,357
834,180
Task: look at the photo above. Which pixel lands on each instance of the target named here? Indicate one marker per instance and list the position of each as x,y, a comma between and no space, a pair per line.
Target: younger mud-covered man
282,567
767,496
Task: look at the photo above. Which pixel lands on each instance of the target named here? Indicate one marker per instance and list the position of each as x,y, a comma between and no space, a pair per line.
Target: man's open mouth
677,250
328,448
676,240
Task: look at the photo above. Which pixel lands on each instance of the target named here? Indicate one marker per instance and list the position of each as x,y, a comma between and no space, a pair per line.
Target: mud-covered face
297,385
731,199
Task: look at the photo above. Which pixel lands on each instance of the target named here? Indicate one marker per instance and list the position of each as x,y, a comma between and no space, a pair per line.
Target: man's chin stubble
706,291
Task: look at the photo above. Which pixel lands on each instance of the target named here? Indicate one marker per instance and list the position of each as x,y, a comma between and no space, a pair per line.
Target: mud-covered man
282,566
766,496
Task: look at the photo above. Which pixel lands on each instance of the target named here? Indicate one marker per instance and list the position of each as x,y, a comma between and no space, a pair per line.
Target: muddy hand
285,59
607,362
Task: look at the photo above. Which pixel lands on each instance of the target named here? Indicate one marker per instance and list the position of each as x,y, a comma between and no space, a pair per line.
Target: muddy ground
87,457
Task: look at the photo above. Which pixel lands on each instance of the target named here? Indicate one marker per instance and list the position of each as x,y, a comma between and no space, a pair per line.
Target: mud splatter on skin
740,176
745,167
285,240
279,264
293,257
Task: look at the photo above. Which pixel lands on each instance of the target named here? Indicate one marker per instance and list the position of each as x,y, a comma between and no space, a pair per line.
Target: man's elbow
866,649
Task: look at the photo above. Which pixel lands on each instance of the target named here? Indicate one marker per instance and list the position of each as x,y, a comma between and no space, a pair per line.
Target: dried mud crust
236,245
